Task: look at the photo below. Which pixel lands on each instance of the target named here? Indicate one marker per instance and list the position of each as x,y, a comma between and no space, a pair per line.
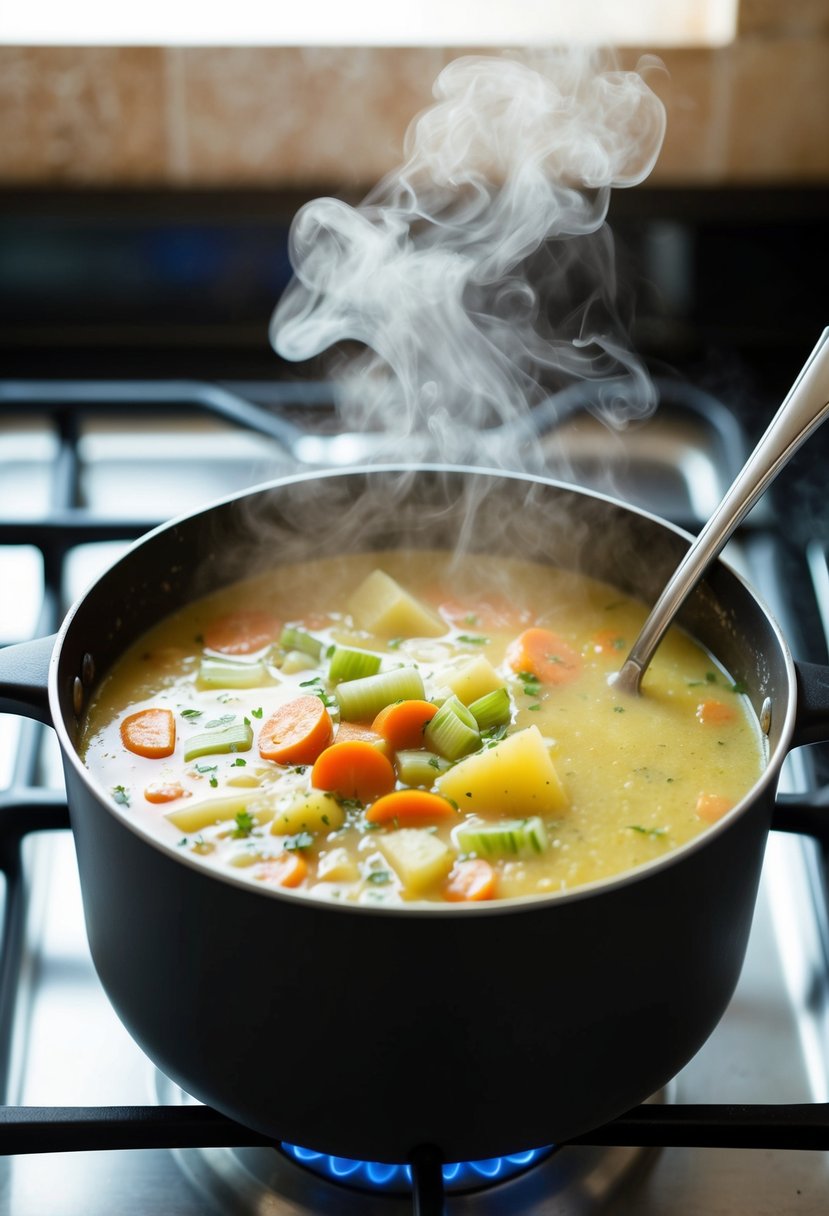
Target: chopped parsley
302,840
191,713
256,713
245,823
224,720
654,832
238,763
471,639
121,795
380,878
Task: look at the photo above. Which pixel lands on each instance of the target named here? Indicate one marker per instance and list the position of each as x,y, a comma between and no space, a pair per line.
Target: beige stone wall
752,113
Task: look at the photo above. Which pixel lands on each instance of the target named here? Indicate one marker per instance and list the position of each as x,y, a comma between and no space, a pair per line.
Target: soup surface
410,726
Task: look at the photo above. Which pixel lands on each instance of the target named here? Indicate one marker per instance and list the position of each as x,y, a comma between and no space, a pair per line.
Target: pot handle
24,672
812,723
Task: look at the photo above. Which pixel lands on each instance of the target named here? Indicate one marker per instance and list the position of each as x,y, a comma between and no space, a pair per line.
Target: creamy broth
536,777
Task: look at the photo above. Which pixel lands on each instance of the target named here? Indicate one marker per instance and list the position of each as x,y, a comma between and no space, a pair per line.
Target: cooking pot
363,1031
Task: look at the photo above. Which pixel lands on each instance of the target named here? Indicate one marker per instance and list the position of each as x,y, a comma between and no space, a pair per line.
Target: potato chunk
471,679
418,858
515,777
314,811
381,606
206,813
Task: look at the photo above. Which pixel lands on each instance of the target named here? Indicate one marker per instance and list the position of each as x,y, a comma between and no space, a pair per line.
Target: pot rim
498,907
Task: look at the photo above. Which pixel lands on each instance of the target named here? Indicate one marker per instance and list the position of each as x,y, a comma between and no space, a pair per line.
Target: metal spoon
804,409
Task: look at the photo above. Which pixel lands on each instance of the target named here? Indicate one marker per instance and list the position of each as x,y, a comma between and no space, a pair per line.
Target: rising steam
479,276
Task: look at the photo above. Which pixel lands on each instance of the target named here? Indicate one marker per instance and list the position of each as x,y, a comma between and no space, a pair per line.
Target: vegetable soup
411,725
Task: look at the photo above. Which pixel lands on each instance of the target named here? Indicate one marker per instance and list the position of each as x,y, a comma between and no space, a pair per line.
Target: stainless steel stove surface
64,1047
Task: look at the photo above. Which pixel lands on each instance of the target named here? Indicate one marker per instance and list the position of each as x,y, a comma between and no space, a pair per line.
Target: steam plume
479,276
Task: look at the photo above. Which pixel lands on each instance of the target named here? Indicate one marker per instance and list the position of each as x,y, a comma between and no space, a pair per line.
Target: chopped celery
506,838
225,673
238,737
418,767
494,709
292,638
453,732
347,664
361,700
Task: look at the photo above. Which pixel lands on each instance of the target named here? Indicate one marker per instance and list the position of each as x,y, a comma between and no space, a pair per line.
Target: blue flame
375,1175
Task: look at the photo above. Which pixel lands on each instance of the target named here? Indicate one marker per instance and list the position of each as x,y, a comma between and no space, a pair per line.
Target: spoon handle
804,409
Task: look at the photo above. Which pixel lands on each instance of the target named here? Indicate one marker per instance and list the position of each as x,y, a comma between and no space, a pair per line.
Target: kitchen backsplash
756,111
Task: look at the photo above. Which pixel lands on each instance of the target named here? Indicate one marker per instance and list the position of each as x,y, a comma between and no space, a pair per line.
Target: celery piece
506,838
361,700
347,664
418,767
453,732
224,673
494,709
237,737
292,638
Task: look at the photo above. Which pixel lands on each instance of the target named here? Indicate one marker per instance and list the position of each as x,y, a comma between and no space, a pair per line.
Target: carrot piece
410,808
544,655
493,614
402,724
472,879
354,769
165,791
715,713
289,869
297,732
242,632
607,641
348,731
712,807
150,733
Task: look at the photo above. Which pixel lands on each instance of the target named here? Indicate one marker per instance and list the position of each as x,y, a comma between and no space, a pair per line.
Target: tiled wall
754,112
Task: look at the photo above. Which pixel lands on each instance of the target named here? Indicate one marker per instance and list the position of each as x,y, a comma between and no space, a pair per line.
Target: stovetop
77,481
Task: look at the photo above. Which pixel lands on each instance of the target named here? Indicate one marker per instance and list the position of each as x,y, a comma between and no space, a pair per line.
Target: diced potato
337,865
472,679
244,781
420,859
381,606
314,811
515,777
216,810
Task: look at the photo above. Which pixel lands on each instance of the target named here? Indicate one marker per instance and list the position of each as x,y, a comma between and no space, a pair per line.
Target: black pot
365,1032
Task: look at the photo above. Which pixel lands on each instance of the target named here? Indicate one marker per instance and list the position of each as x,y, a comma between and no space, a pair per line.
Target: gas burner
290,1181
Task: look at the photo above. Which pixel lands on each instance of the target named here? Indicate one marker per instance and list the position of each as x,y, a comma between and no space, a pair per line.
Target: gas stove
92,1127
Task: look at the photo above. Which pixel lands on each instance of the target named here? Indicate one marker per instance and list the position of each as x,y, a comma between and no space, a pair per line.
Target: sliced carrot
403,723
354,769
349,731
150,733
297,732
715,713
289,869
472,879
242,632
495,613
607,641
165,791
410,808
545,655
712,807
